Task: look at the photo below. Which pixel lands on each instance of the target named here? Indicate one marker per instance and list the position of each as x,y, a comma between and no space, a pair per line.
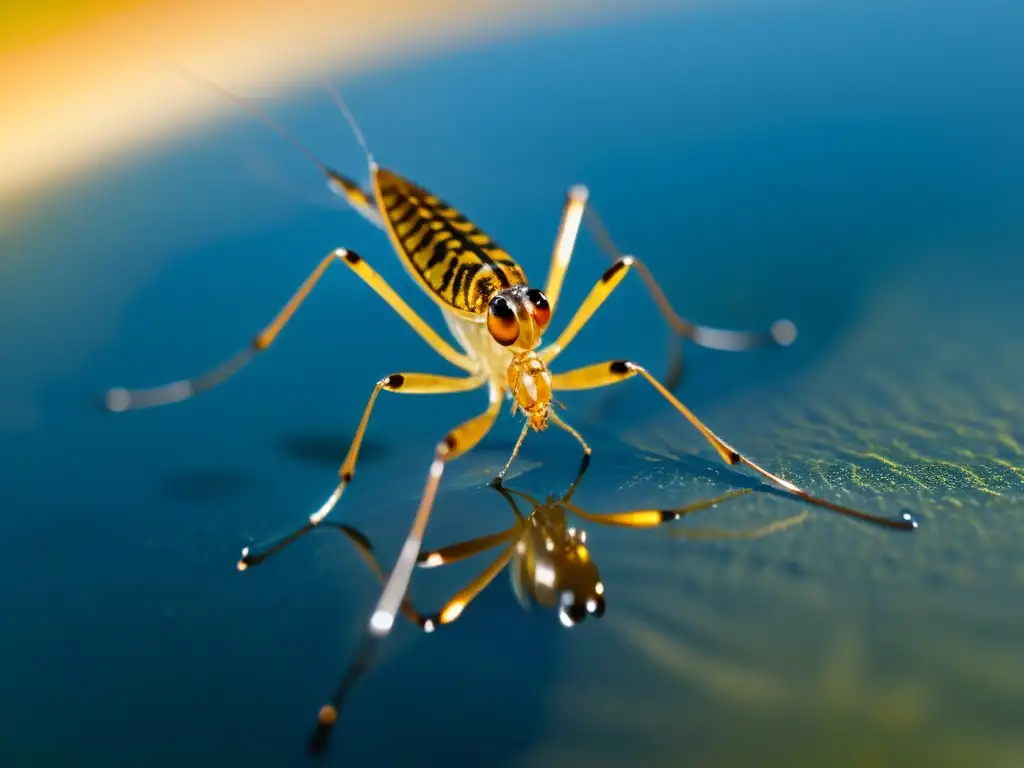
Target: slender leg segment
457,604
612,372
598,295
577,211
565,242
454,607
457,442
649,518
454,553
402,383
707,337
126,400
721,534
496,482
499,478
781,333
442,556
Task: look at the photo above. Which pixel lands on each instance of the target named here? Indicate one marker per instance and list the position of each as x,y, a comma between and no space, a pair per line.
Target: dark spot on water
202,486
793,568
325,449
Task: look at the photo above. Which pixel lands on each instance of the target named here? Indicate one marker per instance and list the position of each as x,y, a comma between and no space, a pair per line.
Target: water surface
855,169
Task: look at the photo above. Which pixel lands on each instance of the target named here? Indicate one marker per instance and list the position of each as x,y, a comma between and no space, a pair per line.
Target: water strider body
498,319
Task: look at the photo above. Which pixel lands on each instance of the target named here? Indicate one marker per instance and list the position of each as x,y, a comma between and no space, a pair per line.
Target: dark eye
573,614
501,309
502,322
541,307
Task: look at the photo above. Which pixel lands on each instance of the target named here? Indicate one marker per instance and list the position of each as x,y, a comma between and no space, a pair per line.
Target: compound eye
541,307
502,322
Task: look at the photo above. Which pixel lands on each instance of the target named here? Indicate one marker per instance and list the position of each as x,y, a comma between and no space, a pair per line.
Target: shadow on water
205,486
817,164
329,450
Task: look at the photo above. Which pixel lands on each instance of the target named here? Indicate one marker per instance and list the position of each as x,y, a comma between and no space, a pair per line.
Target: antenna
351,120
259,115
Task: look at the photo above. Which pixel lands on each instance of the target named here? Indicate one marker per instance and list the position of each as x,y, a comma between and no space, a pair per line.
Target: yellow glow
22,24
84,83
645,518
453,611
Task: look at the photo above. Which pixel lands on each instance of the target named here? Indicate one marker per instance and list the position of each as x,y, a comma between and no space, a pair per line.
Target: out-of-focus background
856,168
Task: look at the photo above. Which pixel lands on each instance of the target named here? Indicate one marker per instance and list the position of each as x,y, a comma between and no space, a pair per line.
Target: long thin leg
612,372
457,604
125,400
365,549
508,493
649,518
454,607
575,211
782,332
457,442
454,553
719,534
402,383
565,242
638,518
499,478
435,558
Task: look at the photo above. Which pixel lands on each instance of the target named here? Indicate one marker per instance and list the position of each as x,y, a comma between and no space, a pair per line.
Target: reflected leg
457,442
402,383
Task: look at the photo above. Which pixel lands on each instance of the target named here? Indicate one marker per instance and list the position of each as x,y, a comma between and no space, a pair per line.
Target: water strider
498,318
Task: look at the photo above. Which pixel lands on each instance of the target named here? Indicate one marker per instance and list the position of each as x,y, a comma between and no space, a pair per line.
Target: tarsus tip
326,719
117,400
784,332
328,715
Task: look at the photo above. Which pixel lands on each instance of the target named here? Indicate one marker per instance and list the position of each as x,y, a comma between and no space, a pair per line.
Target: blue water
857,169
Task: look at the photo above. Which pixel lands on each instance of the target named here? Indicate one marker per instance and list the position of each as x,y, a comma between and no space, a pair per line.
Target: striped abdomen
457,263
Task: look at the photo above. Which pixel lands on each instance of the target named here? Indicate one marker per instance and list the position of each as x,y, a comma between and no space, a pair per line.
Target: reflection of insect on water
497,317
547,556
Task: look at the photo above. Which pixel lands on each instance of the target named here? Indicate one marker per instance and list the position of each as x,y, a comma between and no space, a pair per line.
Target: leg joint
624,263
446,446
621,367
349,257
578,193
